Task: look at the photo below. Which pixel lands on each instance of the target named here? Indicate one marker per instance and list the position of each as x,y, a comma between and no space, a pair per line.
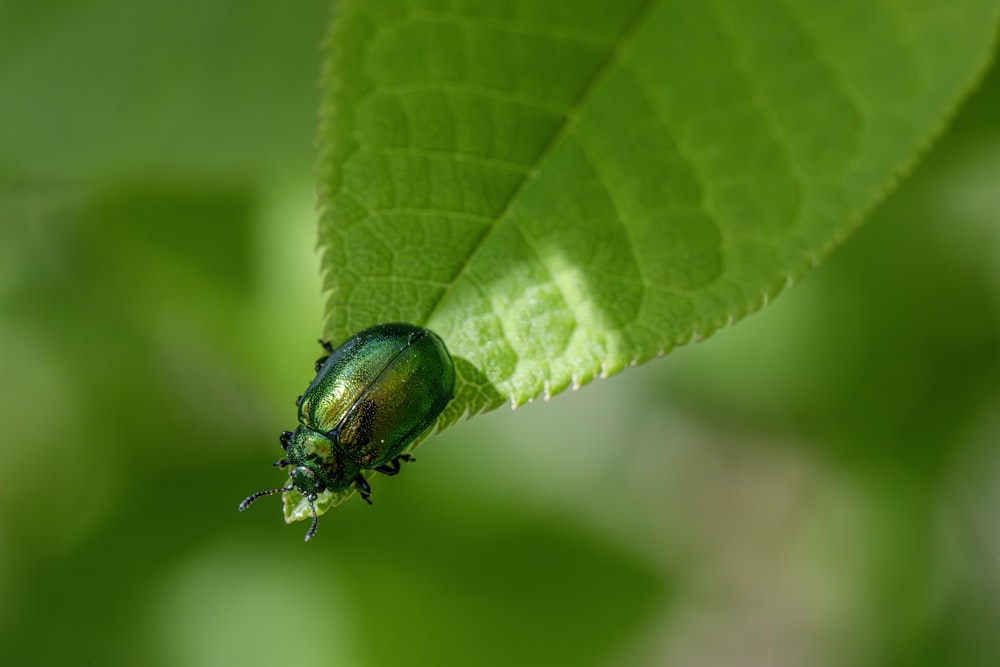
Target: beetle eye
320,487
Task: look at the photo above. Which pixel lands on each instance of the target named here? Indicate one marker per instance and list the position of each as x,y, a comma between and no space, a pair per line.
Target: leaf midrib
634,25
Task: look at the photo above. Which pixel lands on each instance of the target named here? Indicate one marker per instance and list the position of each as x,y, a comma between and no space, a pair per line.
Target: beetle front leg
326,345
280,464
364,489
392,468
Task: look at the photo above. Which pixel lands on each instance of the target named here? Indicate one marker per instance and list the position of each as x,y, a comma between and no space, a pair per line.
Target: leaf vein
760,101
471,88
525,28
450,156
620,215
855,100
639,19
687,157
432,212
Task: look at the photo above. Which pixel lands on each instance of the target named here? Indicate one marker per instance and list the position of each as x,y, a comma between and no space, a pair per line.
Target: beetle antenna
312,528
246,503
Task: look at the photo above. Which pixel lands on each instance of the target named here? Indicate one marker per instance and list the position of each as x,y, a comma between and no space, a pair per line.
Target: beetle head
305,481
304,476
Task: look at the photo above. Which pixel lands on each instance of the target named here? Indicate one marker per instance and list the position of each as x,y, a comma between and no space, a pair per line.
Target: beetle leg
321,361
311,498
283,439
280,464
388,469
364,490
326,345
392,468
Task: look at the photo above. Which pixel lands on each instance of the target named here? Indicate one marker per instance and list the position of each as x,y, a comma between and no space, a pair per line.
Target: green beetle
370,399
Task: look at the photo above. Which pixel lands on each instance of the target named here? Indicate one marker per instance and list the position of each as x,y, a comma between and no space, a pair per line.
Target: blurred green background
819,485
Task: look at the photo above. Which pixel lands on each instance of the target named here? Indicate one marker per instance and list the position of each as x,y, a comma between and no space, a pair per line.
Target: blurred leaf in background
815,486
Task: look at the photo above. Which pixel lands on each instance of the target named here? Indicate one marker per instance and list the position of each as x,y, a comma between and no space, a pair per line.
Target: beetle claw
364,489
321,361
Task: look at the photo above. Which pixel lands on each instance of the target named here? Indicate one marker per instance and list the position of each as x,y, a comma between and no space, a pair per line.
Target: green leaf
563,188
296,507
